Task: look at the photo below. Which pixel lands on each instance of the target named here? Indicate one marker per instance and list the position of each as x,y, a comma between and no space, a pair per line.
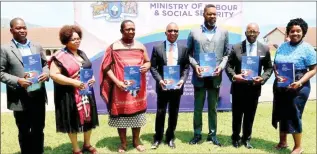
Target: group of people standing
77,113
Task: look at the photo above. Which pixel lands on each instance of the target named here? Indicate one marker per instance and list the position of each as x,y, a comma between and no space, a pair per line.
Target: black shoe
195,140
155,144
171,144
247,144
214,140
236,143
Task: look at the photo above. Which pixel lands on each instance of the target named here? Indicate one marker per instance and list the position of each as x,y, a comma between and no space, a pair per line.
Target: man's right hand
239,78
24,82
163,85
198,70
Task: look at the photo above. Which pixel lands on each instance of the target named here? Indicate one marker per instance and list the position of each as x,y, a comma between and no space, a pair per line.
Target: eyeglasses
252,32
172,30
75,39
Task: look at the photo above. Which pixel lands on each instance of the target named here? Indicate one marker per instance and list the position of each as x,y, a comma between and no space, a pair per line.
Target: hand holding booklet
33,69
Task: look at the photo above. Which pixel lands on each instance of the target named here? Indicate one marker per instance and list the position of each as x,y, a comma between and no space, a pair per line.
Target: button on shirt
175,51
209,33
253,49
24,49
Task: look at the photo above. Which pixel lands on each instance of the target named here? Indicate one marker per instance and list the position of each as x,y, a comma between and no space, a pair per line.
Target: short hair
209,6
299,22
123,23
14,20
67,31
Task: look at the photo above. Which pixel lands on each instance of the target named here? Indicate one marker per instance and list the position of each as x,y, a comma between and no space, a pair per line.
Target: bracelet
300,84
233,79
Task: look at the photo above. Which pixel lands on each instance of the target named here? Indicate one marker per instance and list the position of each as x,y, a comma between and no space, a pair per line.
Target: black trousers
31,123
243,108
172,99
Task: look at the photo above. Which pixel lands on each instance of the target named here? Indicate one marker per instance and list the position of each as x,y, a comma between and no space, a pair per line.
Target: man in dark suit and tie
28,107
168,53
245,95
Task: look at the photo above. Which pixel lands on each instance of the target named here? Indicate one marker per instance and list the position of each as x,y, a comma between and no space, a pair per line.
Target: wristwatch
300,84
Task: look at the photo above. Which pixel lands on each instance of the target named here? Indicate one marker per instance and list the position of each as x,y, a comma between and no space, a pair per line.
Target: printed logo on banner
114,11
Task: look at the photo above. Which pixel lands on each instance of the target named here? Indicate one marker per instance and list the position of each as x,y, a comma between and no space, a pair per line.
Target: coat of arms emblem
114,11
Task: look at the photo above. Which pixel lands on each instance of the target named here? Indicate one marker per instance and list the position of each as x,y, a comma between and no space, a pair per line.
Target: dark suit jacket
11,68
158,60
234,66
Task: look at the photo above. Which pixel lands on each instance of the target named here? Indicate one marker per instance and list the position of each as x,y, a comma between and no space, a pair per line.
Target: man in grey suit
168,53
207,38
245,95
28,107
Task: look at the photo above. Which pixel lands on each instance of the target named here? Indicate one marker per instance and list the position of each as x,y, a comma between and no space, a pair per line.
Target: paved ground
266,96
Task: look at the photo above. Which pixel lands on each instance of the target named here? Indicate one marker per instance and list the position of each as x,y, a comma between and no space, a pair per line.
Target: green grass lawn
106,139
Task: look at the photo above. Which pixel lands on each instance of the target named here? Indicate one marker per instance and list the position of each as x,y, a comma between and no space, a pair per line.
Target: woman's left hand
91,82
294,85
144,68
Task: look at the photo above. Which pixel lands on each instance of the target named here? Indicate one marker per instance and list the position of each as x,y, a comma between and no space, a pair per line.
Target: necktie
251,45
170,55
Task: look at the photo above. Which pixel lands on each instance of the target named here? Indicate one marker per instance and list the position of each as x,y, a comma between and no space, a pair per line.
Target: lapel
163,50
204,37
16,52
216,37
32,48
244,48
180,50
259,49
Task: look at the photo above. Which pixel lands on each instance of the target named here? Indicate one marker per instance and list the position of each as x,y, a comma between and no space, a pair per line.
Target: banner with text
100,22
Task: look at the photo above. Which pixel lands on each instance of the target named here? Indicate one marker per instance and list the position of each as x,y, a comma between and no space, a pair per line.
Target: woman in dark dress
74,113
289,103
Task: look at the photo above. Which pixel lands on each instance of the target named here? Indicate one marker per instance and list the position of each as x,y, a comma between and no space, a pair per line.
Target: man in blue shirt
208,38
28,107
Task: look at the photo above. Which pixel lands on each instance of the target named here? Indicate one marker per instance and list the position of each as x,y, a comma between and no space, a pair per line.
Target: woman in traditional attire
74,112
126,108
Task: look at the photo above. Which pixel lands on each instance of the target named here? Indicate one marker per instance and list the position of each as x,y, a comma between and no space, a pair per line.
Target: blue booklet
171,76
132,77
33,69
207,62
250,67
85,76
286,74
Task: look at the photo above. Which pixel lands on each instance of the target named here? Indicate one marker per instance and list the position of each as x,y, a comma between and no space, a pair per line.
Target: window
48,52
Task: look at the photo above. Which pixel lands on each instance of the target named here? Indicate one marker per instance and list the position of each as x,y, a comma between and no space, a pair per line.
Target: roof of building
47,37
310,36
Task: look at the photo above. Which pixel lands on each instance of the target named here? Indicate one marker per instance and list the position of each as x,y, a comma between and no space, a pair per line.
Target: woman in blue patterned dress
289,103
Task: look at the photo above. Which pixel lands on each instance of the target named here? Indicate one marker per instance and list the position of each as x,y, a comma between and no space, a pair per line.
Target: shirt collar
207,30
27,44
248,43
168,43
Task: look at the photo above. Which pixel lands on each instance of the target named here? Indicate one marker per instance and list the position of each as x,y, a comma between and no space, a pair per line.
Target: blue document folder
207,62
132,77
85,76
33,69
171,76
250,67
286,74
